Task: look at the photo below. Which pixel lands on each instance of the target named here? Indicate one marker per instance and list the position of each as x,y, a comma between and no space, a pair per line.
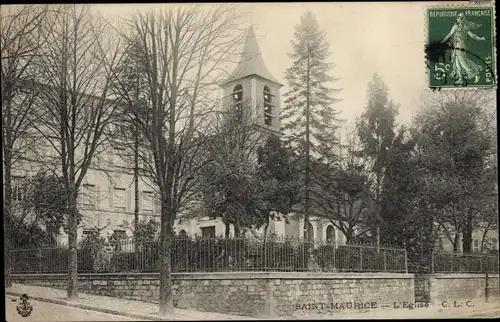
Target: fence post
385,260
406,260
378,239
334,256
40,265
432,262
486,286
361,259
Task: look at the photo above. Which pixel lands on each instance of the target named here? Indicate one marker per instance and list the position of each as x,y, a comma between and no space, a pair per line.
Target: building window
147,201
268,106
238,101
441,244
18,188
475,247
119,199
87,232
330,234
208,232
89,196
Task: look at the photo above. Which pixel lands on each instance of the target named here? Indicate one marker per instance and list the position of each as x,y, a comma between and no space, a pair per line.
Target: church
252,83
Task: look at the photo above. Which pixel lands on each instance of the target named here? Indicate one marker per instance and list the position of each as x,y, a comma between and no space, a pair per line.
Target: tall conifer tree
310,120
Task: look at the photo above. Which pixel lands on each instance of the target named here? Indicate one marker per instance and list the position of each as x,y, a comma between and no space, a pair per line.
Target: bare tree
20,42
77,68
130,88
183,49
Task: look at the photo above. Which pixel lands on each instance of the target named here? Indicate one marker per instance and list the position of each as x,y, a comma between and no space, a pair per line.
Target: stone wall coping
292,275
224,275
459,276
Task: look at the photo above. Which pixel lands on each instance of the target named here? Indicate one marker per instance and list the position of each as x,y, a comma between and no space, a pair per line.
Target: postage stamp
460,49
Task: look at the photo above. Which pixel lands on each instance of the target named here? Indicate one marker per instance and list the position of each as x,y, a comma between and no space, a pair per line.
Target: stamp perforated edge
490,5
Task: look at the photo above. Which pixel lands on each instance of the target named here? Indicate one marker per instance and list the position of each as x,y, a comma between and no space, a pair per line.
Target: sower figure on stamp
460,64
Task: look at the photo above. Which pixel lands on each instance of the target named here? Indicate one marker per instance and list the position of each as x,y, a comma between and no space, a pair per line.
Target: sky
386,38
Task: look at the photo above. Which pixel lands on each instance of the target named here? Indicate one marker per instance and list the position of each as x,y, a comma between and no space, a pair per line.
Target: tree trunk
264,244
308,157
136,177
266,227
467,233
456,240
7,223
307,174
481,249
377,196
7,153
166,300
226,242
136,160
228,230
72,291
350,234
136,195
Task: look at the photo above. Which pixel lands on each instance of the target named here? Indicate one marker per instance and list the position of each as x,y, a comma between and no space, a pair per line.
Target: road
53,312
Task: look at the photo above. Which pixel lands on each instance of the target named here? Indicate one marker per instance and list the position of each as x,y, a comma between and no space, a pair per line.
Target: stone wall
462,287
422,288
321,293
258,294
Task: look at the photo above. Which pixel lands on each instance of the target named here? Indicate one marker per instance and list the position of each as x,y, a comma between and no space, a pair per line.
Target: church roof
251,62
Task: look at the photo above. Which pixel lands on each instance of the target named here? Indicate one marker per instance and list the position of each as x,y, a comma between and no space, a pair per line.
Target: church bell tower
252,88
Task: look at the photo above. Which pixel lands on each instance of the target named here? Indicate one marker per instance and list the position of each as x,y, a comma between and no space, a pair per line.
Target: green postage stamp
460,49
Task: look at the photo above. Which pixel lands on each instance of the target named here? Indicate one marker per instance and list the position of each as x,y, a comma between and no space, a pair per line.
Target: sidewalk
111,305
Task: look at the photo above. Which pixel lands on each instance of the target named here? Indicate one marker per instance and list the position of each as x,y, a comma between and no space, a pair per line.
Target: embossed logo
24,308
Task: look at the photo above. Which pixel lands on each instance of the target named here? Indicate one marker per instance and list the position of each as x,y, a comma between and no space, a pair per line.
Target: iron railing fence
464,263
217,254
